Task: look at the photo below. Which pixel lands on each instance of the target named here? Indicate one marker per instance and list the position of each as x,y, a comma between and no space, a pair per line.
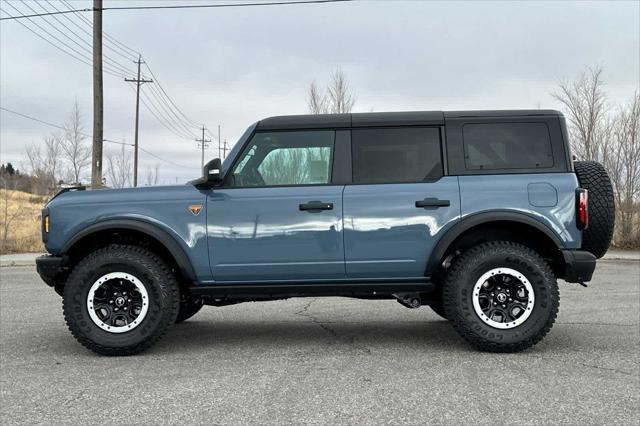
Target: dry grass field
20,221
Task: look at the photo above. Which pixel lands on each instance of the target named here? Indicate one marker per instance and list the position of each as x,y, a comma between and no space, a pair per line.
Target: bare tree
316,100
76,152
586,104
337,98
45,162
120,169
609,136
623,164
341,100
152,175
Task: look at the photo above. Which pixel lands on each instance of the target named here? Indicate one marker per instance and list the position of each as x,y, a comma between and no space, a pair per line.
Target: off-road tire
458,292
435,299
158,280
593,177
438,308
189,306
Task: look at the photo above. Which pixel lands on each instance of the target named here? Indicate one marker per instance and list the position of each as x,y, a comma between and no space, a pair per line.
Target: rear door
399,201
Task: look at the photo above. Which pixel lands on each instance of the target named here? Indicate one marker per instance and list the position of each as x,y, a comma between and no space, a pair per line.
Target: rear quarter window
495,146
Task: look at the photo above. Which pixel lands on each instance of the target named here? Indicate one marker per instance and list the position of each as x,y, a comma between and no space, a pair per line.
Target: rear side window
507,146
393,155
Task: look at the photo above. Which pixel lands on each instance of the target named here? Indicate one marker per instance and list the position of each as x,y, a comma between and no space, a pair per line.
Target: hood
73,196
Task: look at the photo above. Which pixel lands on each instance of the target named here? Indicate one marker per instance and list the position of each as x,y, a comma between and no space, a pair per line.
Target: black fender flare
166,239
476,219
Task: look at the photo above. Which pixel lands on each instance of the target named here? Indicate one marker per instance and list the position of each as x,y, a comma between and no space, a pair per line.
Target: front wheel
501,296
189,306
120,299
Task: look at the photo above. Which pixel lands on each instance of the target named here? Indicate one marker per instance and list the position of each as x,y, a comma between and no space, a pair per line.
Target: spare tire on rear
593,177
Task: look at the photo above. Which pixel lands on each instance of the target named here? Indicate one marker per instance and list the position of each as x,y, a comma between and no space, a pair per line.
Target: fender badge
195,209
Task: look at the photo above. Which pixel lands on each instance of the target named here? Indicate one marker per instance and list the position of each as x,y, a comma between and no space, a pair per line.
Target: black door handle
432,203
315,206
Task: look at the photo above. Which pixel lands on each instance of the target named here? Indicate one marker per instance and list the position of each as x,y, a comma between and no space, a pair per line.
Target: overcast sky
235,66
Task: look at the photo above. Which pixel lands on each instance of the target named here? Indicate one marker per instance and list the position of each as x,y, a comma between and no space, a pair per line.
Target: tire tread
461,267
148,259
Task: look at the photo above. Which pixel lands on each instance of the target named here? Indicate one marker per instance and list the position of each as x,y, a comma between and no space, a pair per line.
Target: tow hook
409,300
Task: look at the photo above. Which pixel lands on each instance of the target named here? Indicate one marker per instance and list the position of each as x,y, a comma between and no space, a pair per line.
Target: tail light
582,208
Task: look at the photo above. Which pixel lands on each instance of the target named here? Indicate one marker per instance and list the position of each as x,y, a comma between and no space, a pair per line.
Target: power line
57,126
164,101
165,160
78,55
28,117
193,123
170,113
185,6
126,56
152,108
107,37
174,127
109,61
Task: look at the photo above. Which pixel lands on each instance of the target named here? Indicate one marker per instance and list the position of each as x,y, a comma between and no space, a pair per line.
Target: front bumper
578,265
50,269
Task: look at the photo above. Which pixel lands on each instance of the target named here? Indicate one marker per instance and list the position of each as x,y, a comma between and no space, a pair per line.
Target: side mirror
210,174
211,171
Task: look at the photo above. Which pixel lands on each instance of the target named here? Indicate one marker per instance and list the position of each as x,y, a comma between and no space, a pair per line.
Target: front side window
285,158
394,155
507,146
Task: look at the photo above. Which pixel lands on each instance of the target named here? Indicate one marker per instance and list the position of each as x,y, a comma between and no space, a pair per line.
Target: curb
25,259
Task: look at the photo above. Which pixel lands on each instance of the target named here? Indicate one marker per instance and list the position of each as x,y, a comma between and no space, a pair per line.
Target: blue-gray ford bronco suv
475,214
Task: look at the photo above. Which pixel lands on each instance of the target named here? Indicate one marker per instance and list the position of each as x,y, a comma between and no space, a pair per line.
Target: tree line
64,158
608,133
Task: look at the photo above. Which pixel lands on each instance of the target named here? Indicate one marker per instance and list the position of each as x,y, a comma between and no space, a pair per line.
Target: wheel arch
507,223
116,230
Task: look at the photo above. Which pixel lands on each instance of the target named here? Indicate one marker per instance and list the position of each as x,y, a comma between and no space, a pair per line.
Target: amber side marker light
46,224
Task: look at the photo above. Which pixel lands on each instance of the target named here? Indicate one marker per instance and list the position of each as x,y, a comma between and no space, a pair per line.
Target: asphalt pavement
325,361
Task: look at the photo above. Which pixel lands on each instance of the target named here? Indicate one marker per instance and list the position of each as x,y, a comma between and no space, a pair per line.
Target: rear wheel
438,308
119,300
435,300
501,296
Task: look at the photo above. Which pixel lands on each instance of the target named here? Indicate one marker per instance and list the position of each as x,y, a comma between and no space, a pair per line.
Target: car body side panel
260,234
386,235
164,207
546,197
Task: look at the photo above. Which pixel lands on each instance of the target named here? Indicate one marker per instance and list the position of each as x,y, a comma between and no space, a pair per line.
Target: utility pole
219,144
224,149
98,104
203,143
138,82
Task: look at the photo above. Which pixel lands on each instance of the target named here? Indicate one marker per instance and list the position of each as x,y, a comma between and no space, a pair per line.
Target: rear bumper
49,268
578,265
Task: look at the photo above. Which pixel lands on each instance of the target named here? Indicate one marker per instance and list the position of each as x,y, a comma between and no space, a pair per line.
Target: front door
398,203
277,217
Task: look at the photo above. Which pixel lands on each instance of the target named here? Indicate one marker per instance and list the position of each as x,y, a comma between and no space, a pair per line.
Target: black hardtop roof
373,119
